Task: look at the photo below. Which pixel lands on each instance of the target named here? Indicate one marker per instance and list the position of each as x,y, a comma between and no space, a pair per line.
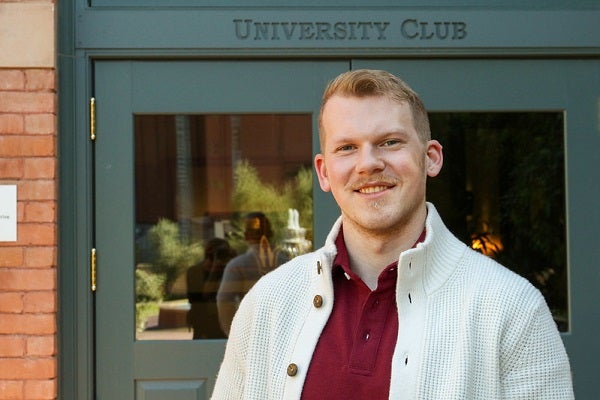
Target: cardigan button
292,369
318,301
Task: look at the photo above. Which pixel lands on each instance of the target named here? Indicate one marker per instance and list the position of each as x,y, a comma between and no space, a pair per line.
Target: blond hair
369,82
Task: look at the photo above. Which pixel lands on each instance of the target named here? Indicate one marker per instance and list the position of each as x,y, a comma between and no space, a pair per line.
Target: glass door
203,182
520,176
191,154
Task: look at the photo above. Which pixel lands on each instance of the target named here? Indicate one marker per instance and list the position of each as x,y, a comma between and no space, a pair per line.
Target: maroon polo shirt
353,357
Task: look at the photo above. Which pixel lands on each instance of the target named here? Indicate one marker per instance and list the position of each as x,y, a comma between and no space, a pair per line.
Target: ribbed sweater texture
469,328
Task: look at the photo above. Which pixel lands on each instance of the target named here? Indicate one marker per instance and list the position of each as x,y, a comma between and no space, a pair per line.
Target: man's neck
371,254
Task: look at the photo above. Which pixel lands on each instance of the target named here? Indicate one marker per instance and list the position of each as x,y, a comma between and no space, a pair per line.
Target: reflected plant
301,198
173,255
149,286
149,292
534,205
251,194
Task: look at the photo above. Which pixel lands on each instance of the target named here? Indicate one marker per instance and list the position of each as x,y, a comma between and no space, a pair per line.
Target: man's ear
435,158
321,170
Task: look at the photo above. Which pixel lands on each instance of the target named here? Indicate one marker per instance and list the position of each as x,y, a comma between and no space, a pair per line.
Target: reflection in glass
199,178
206,186
502,190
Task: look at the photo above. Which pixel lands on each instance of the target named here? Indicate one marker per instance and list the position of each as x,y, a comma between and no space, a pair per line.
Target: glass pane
502,191
220,200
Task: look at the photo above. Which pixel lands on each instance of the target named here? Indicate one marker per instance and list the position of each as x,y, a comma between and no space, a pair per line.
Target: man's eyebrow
343,140
395,133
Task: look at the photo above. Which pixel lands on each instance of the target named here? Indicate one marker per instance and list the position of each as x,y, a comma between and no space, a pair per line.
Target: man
203,281
244,270
393,306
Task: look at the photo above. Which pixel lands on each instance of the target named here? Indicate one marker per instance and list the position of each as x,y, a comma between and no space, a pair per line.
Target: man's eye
346,147
390,142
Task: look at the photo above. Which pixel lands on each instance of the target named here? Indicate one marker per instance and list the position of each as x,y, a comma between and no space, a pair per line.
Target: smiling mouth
372,189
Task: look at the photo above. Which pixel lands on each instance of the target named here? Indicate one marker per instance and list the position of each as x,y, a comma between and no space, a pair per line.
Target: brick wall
28,159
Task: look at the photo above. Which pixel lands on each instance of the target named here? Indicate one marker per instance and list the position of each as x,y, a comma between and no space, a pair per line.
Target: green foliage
173,255
301,198
251,194
143,311
148,286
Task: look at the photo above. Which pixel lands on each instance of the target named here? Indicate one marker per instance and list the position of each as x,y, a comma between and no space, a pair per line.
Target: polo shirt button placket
411,273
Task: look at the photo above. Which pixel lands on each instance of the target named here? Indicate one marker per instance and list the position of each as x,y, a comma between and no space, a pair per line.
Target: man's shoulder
496,281
291,271
285,289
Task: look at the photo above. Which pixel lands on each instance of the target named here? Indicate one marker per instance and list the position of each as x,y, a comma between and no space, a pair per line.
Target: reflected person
242,272
203,281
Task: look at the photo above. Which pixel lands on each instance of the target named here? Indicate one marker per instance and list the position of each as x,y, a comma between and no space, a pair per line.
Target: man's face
374,163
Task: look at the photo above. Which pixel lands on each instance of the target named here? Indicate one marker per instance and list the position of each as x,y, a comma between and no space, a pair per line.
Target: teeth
372,189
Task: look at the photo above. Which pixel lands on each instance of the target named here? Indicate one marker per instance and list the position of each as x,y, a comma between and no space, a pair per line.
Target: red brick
20,211
11,79
28,315
27,368
39,257
13,279
41,345
39,168
11,302
12,168
39,302
39,211
27,102
27,324
37,234
11,256
32,146
11,124
40,124
12,346
37,190
10,390
40,79
40,389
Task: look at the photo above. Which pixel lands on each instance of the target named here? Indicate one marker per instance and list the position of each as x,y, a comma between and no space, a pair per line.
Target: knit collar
438,254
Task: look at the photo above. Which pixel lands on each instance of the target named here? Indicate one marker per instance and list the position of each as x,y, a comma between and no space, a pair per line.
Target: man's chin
376,225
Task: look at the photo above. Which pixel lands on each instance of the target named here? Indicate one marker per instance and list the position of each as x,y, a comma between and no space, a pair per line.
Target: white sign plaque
8,213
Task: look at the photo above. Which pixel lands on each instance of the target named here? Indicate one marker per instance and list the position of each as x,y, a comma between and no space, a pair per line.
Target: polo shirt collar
342,258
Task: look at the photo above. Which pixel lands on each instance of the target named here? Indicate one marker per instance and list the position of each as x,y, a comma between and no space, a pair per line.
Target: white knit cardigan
470,329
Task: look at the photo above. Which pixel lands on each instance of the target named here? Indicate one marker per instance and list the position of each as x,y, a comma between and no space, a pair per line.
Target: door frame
78,23
124,364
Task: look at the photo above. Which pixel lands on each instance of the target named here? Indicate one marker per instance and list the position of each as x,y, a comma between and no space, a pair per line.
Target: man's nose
369,160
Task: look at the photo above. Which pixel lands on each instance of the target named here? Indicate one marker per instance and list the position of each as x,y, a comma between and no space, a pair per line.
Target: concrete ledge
27,35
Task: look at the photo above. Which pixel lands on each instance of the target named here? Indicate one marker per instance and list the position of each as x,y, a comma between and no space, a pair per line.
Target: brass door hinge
92,119
93,266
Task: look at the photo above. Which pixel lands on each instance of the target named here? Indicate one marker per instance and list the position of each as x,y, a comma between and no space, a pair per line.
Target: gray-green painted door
568,87
127,368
